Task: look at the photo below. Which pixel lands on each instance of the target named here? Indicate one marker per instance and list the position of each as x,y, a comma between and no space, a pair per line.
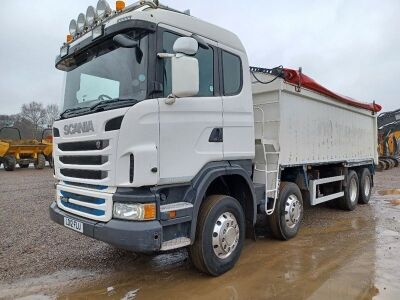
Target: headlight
135,212
72,27
81,22
91,15
103,8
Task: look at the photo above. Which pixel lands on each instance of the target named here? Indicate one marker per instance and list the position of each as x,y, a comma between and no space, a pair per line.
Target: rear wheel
9,163
365,186
40,162
351,192
285,220
219,235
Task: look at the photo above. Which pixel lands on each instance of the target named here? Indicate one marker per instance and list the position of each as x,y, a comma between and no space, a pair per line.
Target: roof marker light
72,27
103,8
91,15
119,5
81,23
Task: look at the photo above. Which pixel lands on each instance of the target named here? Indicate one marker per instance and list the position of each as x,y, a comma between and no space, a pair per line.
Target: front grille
88,186
84,146
84,209
84,160
83,204
84,174
82,198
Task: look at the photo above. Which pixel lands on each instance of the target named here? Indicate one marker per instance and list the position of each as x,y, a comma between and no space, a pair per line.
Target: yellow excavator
389,139
15,150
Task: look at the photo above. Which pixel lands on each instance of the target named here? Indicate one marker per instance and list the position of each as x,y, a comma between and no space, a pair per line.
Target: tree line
33,118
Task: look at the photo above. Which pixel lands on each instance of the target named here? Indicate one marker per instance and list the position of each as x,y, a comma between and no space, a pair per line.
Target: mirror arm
165,55
170,99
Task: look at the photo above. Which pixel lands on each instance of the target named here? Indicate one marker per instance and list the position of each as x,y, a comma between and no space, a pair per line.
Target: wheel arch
228,179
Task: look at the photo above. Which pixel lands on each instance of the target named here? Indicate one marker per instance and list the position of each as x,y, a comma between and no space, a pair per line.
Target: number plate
73,224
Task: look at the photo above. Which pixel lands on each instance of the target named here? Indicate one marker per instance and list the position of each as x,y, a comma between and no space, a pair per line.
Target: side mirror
124,41
185,76
186,45
184,68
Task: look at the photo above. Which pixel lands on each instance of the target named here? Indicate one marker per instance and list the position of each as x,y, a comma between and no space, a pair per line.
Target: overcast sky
352,47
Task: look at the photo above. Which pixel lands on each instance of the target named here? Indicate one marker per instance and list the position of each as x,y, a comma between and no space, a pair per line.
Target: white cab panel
238,117
139,135
185,128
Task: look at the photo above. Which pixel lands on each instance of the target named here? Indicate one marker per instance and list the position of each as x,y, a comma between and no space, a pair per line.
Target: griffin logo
81,127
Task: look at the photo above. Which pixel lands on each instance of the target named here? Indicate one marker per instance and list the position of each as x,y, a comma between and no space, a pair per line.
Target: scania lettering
169,139
78,128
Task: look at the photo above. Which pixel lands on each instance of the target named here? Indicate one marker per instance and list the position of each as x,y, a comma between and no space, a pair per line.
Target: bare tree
35,113
52,114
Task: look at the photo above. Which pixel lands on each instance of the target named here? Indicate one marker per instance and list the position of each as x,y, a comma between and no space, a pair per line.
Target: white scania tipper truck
169,139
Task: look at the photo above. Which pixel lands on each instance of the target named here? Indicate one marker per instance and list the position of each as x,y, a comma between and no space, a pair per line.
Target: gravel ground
31,244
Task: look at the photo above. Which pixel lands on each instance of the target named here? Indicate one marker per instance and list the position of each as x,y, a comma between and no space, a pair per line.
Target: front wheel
286,218
220,235
9,163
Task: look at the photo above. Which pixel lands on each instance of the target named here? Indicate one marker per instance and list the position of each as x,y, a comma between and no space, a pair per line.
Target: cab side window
206,67
232,73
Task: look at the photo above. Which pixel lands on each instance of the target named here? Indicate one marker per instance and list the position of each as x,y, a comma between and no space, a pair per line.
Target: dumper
21,152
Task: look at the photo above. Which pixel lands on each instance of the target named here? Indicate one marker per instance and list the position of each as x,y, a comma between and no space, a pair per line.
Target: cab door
190,128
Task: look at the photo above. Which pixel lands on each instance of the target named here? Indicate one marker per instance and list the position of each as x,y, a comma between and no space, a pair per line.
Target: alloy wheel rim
225,236
293,210
367,186
353,189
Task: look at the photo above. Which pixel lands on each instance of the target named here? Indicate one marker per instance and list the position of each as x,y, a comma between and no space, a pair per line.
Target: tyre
351,192
9,163
23,166
220,235
365,186
51,161
40,162
286,219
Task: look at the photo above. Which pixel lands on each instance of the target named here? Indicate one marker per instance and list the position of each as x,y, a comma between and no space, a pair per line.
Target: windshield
106,73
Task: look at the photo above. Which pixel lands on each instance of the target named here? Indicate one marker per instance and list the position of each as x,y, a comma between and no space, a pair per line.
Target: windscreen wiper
105,103
69,110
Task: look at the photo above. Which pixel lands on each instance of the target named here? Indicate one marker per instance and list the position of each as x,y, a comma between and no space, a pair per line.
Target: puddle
395,202
389,192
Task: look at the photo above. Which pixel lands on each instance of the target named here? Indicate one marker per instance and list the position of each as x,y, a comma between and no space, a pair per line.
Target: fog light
134,212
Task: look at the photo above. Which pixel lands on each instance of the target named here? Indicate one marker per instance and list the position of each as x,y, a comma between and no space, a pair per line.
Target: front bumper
134,236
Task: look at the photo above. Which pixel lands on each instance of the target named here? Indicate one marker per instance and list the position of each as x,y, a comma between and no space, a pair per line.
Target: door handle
217,135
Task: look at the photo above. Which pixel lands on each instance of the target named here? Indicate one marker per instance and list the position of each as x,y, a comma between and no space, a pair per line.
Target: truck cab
142,141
